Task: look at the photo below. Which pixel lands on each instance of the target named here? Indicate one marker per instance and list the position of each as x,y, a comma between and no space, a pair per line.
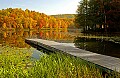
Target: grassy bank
16,63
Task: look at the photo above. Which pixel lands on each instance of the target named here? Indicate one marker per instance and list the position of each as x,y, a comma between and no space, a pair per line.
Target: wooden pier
104,61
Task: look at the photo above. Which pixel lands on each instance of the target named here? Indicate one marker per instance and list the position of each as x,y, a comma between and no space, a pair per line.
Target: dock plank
109,62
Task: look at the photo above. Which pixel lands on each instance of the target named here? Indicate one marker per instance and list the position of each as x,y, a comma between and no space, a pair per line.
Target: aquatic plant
17,63
62,66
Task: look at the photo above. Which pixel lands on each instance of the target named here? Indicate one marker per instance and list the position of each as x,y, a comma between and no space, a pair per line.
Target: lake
107,44
17,38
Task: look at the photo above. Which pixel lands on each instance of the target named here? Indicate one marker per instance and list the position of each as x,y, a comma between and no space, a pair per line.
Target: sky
49,7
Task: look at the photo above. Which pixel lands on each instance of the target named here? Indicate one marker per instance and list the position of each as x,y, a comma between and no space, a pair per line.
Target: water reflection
36,54
98,45
56,35
17,38
93,42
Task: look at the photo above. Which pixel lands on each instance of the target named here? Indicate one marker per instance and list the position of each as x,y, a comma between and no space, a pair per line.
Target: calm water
93,42
98,45
17,38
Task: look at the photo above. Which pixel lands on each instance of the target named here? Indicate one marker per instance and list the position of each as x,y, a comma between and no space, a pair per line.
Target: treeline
62,16
99,15
26,19
67,17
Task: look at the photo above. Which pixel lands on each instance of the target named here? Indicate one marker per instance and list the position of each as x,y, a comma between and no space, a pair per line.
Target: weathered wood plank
101,60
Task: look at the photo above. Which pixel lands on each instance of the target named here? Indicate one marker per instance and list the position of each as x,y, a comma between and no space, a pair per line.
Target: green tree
98,14
81,18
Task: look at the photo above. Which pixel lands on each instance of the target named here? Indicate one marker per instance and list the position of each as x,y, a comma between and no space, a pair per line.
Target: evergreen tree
98,14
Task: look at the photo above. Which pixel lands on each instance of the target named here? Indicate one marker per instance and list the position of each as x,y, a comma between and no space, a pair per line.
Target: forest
67,17
98,15
19,19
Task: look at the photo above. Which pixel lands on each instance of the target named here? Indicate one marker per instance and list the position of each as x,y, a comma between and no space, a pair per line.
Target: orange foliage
18,18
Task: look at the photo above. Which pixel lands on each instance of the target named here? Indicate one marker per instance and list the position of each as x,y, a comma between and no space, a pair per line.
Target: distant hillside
69,16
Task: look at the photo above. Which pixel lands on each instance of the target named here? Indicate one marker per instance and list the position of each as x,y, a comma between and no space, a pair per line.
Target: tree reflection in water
98,45
17,38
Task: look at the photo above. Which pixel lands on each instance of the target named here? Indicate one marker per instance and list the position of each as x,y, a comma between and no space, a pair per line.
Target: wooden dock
107,62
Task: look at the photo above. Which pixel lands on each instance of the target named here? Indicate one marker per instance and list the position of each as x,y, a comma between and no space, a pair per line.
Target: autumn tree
25,19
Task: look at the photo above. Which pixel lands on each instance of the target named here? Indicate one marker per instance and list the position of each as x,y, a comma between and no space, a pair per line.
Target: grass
16,63
61,66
